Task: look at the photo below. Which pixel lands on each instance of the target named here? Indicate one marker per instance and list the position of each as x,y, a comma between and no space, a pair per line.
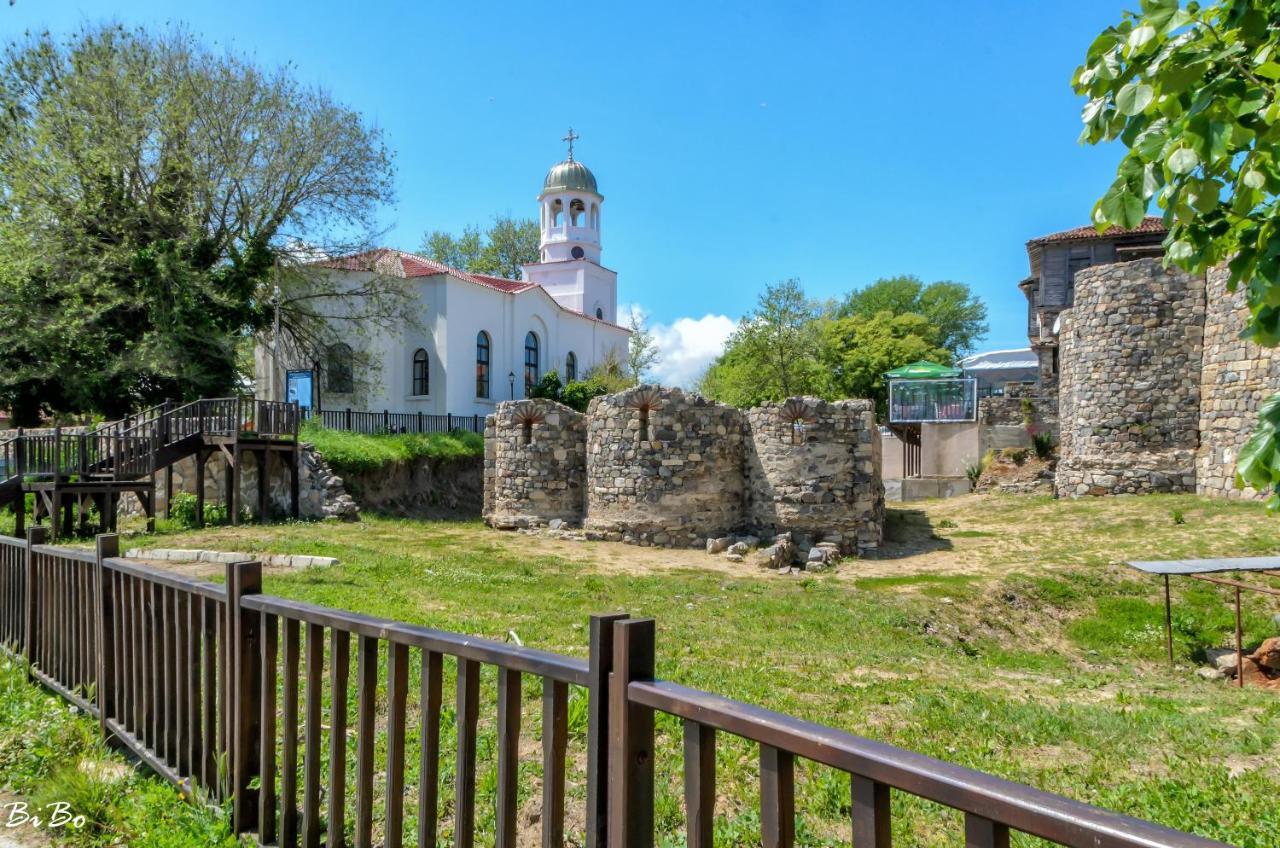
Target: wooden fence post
244,661
35,536
600,663
108,546
630,738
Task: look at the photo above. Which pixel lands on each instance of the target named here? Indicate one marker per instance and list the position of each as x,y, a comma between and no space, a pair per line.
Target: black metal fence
387,422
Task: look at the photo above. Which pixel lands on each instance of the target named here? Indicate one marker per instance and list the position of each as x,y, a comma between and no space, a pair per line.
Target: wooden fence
215,686
377,423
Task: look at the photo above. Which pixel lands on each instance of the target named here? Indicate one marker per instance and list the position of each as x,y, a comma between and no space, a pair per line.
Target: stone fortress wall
535,463
1238,375
663,467
1157,391
1129,385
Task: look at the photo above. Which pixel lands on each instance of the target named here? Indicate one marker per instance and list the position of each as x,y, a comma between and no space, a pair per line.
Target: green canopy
923,370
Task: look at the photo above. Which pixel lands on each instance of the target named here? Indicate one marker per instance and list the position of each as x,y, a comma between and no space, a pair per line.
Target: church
476,340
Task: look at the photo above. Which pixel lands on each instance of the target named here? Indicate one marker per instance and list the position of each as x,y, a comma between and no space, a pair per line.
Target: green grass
354,452
50,753
1029,652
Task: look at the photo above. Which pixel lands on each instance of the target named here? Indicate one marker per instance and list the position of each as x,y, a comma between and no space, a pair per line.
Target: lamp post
511,378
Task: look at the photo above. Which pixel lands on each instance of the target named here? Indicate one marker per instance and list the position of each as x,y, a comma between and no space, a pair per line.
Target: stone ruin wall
1237,376
813,469
1130,382
534,464
662,467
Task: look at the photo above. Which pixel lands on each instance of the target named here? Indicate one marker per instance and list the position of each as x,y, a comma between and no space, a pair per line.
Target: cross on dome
571,138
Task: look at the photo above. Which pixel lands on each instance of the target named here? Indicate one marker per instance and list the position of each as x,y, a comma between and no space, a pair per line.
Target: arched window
530,362
482,364
421,373
577,212
557,210
338,370
600,313
571,367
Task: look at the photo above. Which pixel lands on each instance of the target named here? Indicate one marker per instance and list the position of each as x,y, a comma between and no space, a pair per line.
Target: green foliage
499,251
182,511
140,237
973,471
958,317
774,352
642,351
355,452
52,753
576,394
1177,516
1042,444
1191,92
857,351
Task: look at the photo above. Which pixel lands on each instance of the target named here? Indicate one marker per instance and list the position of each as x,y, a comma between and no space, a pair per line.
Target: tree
959,316
858,349
499,251
155,195
642,350
773,353
1192,93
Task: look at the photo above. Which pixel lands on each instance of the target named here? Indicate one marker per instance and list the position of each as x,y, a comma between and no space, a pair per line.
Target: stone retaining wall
1131,350
1237,376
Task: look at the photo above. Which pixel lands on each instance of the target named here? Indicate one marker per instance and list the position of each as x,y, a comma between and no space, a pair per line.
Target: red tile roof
1150,224
398,263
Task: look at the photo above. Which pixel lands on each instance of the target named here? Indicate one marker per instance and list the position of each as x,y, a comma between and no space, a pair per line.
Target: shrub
973,471
1177,516
182,511
1042,444
1017,455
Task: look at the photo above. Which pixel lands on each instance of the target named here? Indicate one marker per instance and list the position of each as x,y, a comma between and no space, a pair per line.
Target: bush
182,511
1042,444
576,394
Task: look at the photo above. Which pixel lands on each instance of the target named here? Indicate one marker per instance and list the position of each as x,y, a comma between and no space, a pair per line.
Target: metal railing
227,687
387,422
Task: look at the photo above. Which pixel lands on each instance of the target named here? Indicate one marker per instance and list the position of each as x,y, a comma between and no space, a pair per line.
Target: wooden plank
397,690
600,663
430,698
289,731
555,742
192,683
630,738
209,616
699,783
508,756
182,732
311,755
108,690
777,798
243,579
339,665
367,696
267,794
981,832
464,813
169,639
872,820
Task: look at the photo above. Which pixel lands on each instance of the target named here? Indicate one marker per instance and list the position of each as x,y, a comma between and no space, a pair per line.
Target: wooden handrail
1053,817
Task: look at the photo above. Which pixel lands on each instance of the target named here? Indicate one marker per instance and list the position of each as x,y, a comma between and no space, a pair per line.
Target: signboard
298,388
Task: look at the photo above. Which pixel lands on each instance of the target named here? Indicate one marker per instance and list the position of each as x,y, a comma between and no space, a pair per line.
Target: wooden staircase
69,471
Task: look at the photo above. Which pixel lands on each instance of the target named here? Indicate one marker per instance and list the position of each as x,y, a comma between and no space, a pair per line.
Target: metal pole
1168,619
1239,644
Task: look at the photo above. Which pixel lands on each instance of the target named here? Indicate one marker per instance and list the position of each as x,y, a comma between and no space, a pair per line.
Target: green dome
570,175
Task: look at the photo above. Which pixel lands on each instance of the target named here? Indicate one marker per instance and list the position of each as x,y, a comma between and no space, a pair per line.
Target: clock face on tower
577,252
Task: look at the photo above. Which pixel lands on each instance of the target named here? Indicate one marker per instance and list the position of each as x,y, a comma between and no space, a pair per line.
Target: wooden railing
216,686
387,422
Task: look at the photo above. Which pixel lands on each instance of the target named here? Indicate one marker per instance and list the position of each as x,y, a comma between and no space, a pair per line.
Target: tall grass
354,452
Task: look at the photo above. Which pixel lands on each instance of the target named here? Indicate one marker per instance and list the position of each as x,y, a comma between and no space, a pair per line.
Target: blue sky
736,144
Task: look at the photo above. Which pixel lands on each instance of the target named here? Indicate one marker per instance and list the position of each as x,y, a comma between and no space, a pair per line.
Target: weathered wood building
1055,260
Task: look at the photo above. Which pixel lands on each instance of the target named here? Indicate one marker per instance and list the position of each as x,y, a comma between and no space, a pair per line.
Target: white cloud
687,346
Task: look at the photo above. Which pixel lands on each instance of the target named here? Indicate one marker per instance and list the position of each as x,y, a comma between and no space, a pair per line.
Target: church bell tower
569,251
